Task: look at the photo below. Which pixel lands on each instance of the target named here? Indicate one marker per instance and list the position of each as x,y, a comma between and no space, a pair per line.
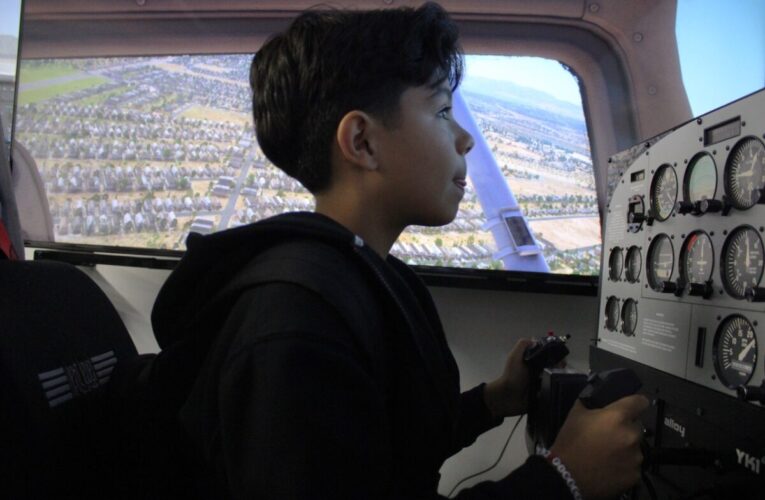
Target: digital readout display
637,176
723,131
519,231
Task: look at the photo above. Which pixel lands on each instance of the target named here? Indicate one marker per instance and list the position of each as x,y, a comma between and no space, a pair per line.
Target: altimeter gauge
735,351
742,261
745,173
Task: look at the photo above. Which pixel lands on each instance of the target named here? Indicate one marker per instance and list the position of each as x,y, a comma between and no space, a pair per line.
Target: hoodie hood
197,297
212,261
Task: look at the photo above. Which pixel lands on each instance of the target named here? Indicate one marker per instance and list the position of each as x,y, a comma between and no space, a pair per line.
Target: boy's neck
364,223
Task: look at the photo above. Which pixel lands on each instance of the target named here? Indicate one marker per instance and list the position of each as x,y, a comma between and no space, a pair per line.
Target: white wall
482,326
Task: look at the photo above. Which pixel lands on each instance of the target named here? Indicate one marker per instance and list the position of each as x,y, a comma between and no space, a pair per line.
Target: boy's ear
354,139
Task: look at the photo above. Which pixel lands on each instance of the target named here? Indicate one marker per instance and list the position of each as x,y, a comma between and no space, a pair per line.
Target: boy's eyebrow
441,90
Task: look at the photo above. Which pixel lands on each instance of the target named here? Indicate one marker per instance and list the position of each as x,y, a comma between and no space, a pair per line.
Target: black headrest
60,340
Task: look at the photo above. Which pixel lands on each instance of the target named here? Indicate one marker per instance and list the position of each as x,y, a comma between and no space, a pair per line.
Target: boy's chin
437,220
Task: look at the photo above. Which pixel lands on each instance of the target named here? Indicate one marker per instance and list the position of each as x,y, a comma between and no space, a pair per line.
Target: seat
60,342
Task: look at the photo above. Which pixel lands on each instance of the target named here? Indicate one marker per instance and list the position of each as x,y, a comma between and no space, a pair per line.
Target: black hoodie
299,364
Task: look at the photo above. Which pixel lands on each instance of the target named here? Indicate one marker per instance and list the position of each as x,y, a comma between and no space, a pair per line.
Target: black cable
499,459
650,487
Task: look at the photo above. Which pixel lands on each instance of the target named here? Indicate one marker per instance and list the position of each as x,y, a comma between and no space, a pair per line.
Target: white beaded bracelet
564,473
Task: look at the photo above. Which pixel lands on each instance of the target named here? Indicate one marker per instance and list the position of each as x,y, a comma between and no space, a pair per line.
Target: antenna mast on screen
516,246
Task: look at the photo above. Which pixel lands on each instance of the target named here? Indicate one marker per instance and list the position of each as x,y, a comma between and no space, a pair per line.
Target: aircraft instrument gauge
615,264
697,258
700,181
745,173
735,351
634,264
661,262
663,192
742,261
612,313
629,317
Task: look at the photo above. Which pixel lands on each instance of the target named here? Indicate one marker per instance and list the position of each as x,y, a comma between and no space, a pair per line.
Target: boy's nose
465,142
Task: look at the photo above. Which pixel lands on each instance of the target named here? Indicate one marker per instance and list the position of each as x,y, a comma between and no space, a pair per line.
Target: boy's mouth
460,182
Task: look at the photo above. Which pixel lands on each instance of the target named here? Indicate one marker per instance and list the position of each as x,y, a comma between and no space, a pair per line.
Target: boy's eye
445,112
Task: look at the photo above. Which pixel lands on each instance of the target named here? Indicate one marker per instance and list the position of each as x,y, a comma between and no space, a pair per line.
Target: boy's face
423,158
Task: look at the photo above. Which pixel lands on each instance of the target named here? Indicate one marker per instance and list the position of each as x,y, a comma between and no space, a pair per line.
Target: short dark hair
328,63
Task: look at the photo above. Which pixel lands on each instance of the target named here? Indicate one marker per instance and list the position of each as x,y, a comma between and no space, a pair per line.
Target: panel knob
703,290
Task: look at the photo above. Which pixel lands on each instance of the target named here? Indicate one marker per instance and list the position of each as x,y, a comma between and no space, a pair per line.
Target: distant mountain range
526,97
9,45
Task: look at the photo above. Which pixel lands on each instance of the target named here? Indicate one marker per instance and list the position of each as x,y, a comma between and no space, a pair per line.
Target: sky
546,75
722,50
721,45
9,20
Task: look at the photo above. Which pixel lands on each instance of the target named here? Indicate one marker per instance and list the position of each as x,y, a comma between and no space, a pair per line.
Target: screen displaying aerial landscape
9,46
137,152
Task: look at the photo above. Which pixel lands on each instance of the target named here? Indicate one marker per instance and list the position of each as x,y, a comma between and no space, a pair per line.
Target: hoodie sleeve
474,419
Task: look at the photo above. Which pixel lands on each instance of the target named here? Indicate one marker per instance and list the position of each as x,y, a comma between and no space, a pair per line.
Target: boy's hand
508,395
601,447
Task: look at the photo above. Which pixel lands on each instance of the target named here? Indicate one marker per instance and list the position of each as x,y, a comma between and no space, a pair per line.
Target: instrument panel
682,286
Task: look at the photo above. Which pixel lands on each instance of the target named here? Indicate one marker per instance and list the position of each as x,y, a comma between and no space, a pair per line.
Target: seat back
60,341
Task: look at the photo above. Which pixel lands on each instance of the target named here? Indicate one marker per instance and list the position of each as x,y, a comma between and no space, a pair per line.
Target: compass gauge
742,261
697,258
663,192
735,351
745,173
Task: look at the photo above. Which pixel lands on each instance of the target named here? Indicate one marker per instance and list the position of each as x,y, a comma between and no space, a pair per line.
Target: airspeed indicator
663,192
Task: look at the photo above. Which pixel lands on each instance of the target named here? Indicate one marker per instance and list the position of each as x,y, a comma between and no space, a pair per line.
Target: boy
326,372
